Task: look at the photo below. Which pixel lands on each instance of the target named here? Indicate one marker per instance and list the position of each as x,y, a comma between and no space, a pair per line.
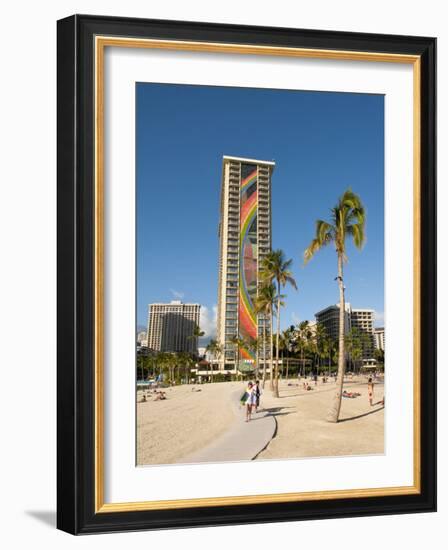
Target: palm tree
275,267
197,333
347,220
216,349
320,336
289,339
353,346
357,353
162,361
304,337
141,366
185,360
329,347
173,362
283,345
265,305
367,346
379,356
254,345
238,343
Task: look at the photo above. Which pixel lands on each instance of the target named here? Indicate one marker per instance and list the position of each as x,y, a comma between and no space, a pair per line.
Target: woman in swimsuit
370,391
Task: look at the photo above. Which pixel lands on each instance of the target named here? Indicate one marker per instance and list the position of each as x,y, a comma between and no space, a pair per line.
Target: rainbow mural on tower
248,258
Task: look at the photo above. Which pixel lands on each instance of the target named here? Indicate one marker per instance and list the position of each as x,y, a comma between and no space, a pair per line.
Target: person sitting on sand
160,396
350,394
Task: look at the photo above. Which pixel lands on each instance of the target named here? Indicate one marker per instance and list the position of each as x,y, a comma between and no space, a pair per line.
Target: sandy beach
188,421
184,423
303,431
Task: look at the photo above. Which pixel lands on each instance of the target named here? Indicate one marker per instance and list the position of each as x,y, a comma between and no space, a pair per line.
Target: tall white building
329,318
379,338
361,319
142,339
244,240
171,326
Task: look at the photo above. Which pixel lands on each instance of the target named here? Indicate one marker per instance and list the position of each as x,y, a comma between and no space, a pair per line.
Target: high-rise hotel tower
244,240
171,327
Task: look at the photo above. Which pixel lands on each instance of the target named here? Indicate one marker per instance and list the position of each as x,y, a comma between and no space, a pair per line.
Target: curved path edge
242,441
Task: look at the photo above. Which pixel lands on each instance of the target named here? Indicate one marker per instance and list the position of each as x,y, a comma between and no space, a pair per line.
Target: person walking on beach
250,400
257,395
370,391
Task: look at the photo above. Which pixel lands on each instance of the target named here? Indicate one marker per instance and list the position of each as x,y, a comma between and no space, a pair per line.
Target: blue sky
322,144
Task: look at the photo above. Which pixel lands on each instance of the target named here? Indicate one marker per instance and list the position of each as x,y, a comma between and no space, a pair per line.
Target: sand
187,421
184,423
303,431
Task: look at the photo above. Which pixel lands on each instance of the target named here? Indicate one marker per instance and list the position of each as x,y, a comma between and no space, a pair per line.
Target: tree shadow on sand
278,411
361,415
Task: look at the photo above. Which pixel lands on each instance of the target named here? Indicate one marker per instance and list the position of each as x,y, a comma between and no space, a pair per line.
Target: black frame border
76,262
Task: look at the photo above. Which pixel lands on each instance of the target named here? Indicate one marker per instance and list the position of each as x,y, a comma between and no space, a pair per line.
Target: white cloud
379,317
208,321
177,294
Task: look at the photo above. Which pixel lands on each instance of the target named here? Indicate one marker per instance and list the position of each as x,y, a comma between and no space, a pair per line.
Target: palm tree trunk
276,394
257,360
237,360
264,351
333,413
271,370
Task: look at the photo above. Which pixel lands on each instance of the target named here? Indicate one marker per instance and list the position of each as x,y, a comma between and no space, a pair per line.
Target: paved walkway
243,441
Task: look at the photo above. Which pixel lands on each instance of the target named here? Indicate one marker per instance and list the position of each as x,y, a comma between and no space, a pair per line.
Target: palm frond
324,235
288,278
314,247
356,231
